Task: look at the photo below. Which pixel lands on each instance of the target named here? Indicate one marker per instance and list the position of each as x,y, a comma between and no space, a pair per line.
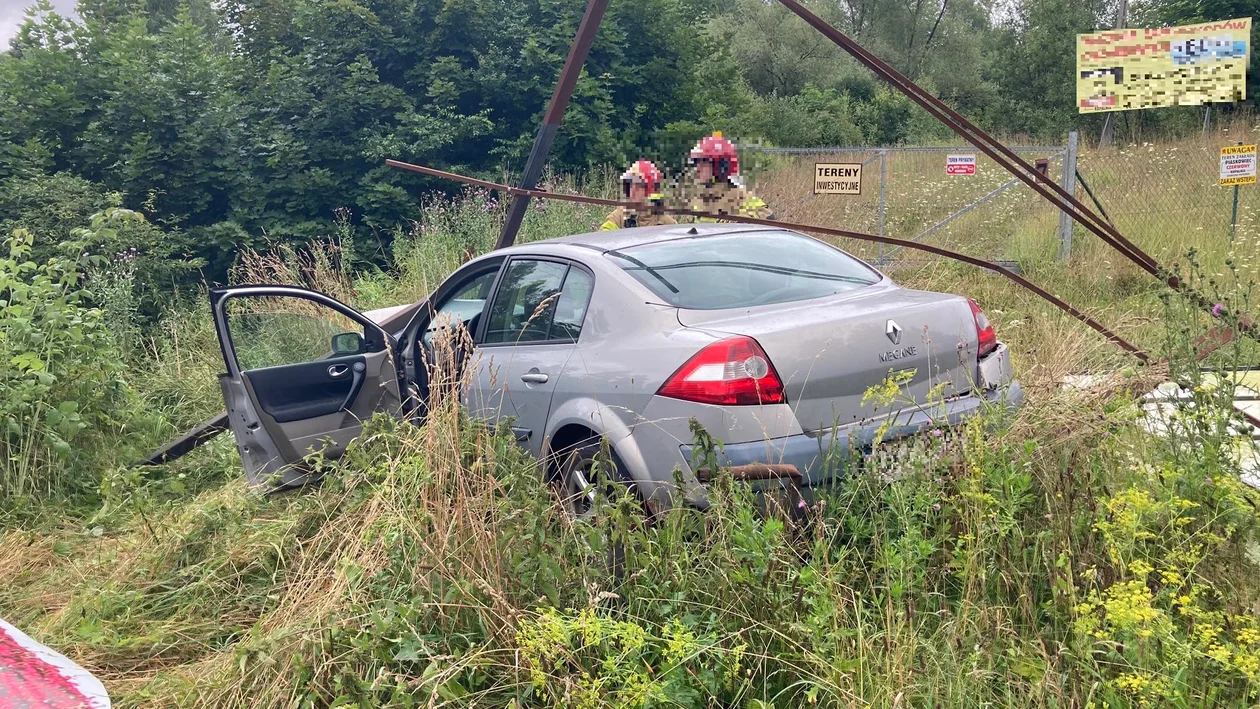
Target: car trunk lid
830,351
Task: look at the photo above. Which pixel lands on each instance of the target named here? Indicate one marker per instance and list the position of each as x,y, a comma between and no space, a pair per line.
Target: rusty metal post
551,120
883,192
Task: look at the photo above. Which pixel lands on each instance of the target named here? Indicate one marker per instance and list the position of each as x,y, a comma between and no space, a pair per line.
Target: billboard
1123,69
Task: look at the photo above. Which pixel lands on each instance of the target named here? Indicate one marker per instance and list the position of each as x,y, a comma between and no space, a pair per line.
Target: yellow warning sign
1238,165
837,178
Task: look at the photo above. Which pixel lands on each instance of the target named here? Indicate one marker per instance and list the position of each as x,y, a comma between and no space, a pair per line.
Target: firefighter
641,183
715,166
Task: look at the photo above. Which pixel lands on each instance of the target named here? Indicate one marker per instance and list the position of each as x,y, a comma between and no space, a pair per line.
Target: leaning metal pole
555,114
981,140
1018,167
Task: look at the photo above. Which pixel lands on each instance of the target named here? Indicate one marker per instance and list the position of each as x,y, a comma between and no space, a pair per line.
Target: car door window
571,307
271,331
525,302
466,302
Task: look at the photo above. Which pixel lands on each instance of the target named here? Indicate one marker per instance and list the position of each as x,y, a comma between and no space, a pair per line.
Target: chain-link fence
1166,198
955,197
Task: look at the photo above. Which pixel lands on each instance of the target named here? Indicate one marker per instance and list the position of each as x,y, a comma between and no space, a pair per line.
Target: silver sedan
767,338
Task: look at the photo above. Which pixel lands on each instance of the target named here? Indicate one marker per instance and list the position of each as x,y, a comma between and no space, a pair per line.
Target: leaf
28,362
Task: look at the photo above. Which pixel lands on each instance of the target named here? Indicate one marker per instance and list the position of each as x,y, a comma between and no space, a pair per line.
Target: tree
1035,64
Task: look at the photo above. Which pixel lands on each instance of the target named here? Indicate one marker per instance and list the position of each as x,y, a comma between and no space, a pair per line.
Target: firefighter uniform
624,218
728,198
640,183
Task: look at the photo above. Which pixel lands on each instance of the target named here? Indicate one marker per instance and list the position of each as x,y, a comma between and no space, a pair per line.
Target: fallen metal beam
555,114
902,149
189,440
860,236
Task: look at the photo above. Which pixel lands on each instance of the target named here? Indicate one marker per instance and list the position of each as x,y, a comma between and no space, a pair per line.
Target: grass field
1060,557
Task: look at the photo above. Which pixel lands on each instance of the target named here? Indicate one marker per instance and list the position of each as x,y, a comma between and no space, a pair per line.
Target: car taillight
731,372
984,330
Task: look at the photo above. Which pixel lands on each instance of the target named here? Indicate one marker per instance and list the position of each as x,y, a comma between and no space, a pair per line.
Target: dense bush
61,394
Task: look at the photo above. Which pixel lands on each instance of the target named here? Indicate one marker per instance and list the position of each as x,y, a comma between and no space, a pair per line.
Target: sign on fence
837,178
960,165
1121,69
1238,165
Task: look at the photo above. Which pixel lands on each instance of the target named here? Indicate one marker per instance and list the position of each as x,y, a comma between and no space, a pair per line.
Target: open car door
303,373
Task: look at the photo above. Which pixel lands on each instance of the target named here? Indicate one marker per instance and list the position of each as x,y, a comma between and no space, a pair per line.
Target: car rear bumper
820,456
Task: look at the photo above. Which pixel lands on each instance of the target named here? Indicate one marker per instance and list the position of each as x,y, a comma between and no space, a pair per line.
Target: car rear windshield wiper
781,270
651,271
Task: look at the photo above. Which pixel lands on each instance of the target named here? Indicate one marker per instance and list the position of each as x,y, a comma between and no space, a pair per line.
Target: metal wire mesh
907,194
1167,197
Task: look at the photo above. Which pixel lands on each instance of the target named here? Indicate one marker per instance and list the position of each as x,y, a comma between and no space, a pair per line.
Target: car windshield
742,270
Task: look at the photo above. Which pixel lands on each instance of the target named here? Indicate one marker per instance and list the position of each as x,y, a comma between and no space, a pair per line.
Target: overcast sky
12,12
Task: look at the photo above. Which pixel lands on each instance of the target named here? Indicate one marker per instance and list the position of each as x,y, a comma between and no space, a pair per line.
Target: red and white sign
1238,165
32,675
960,165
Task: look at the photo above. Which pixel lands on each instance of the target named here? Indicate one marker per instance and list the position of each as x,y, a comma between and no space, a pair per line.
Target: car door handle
534,377
337,371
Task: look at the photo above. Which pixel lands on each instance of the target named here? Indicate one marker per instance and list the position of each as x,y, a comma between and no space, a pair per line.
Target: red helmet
720,152
643,172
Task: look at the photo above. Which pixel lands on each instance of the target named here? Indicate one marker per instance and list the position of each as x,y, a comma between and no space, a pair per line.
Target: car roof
617,239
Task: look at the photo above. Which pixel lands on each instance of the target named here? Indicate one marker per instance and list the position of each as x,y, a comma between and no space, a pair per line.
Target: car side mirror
347,343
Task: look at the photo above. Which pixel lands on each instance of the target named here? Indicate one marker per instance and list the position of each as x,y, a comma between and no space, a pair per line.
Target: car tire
576,484
577,477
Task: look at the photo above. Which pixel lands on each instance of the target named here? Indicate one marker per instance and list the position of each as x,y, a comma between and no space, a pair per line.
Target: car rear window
742,270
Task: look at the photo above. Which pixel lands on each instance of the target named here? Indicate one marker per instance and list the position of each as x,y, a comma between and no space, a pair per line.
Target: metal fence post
1233,219
1069,185
883,187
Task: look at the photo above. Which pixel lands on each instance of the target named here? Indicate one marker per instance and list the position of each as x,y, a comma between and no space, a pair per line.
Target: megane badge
893,330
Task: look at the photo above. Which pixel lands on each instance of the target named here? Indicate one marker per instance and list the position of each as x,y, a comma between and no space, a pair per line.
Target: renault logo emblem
893,330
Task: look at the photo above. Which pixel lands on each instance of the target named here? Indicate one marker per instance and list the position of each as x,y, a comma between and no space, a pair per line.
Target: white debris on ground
1159,404
33,675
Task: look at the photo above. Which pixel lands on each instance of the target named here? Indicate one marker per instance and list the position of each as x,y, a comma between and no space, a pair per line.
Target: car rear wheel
582,469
